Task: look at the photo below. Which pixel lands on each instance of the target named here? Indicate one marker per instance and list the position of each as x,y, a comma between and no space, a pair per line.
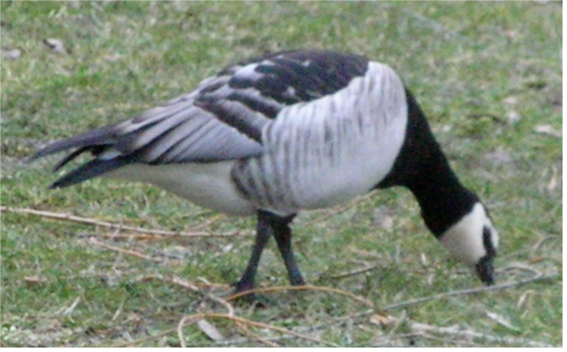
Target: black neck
441,197
422,167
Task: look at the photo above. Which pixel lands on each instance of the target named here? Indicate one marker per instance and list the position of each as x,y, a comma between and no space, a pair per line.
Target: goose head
473,240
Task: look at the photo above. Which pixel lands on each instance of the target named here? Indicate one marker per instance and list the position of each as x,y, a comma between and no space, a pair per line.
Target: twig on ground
129,236
147,338
389,338
471,291
190,286
192,319
522,267
421,329
118,311
470,334
195,317
69,310
171,279
338,320
122,250
119,227
354,272
208,222
304,287
304,329
254,335
241,322
459,343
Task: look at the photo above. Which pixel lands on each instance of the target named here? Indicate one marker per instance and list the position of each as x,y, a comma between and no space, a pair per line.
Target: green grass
471,66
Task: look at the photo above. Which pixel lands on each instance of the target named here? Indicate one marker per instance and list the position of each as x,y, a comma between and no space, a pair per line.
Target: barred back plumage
349,138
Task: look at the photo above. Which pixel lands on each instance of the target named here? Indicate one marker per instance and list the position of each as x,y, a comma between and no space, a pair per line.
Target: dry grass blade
471,291
304,287
186,320
191,319
469,334
354,272
210,330
207,223
240,323
190,286
147,338
302,329
171,279
122,250
254,335
105,224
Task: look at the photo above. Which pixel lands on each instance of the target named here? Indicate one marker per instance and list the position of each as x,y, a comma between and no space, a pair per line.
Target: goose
290,131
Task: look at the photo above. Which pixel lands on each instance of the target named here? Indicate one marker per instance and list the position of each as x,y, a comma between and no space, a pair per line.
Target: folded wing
222,119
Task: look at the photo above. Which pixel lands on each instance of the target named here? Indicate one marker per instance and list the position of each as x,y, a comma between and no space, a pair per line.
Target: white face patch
465,239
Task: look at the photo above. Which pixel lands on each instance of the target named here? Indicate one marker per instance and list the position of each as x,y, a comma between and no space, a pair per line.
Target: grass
475,68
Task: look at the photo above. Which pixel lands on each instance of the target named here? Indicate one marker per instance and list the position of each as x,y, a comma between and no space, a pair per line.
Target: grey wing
182,131
224,118
179,131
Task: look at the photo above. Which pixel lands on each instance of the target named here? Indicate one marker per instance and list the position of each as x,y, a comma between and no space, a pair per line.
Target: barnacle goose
289,131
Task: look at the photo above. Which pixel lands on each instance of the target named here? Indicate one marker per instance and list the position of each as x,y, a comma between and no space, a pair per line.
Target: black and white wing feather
222,119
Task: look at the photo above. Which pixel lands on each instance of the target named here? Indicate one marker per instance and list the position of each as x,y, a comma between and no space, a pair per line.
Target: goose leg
270,225
263,233
282,234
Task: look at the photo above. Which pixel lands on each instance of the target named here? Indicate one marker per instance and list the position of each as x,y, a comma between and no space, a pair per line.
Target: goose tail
87,171
95,142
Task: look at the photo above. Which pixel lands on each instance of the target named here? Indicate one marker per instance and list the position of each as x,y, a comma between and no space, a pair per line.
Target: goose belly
205,184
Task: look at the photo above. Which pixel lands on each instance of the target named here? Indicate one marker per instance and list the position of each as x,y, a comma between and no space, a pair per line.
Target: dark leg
282,234
270,224
263,233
